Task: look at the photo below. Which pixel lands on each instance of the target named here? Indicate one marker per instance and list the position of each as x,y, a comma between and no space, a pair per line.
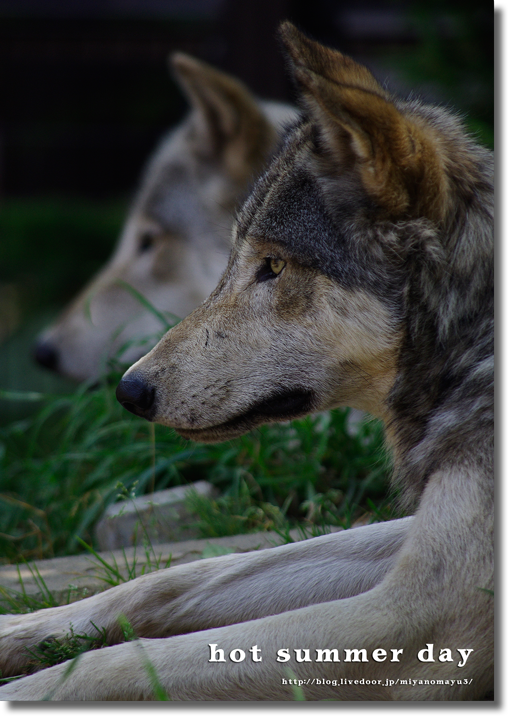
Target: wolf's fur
361,273
176,240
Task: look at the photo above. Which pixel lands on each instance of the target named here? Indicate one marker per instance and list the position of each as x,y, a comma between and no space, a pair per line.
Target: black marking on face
297,220
282,405
290,207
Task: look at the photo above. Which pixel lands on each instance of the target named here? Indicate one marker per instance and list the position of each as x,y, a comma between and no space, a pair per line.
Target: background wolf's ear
359,122
231,126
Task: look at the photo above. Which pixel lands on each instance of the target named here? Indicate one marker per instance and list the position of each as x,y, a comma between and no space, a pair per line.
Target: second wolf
176,240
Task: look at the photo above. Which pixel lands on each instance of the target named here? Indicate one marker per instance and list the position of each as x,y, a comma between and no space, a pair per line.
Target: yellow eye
270,269
276,265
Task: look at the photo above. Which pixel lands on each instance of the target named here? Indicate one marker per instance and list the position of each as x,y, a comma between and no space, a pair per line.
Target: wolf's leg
431,598
370,621
220,591
403,614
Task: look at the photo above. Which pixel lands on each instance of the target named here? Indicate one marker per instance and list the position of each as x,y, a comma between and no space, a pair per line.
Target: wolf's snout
136,396
46,355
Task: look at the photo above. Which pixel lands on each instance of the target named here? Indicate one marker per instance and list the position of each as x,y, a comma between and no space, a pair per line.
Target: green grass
110,573
62,466
55,650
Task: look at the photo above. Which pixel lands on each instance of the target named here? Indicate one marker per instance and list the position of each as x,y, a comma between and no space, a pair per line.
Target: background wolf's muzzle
136,396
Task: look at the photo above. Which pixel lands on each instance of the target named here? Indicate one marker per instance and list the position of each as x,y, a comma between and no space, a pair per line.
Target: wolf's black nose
46,355
136,396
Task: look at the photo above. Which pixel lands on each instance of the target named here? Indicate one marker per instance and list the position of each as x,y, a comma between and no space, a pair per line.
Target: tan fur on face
299,330
367,333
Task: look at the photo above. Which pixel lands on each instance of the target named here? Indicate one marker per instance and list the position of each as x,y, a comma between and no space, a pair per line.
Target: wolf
176,239
361,273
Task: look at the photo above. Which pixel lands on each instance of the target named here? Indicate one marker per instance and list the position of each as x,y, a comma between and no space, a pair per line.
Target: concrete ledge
161,516
82,575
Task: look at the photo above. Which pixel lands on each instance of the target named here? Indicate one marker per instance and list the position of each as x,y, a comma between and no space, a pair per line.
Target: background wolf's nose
136,395
46,355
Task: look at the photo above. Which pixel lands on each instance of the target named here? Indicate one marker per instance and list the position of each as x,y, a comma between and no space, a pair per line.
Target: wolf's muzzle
136,396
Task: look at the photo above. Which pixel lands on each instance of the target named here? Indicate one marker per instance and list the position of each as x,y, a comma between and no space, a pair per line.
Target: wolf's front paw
13,655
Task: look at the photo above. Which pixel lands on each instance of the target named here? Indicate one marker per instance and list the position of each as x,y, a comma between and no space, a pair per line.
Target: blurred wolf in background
176,239
361,273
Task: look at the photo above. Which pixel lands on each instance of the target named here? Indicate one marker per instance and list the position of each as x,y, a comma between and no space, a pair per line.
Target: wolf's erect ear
231,126
394,154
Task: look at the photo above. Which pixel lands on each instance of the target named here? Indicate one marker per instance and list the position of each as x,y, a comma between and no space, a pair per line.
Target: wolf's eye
146,242
271,268
276,265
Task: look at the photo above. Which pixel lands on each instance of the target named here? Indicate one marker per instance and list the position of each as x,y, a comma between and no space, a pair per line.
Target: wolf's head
176,240
361,261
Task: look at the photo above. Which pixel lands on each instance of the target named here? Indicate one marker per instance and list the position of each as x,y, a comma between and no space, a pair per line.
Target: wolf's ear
394,154
231,126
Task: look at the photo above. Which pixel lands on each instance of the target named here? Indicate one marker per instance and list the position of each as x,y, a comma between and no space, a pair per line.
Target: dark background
85,88
86,93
